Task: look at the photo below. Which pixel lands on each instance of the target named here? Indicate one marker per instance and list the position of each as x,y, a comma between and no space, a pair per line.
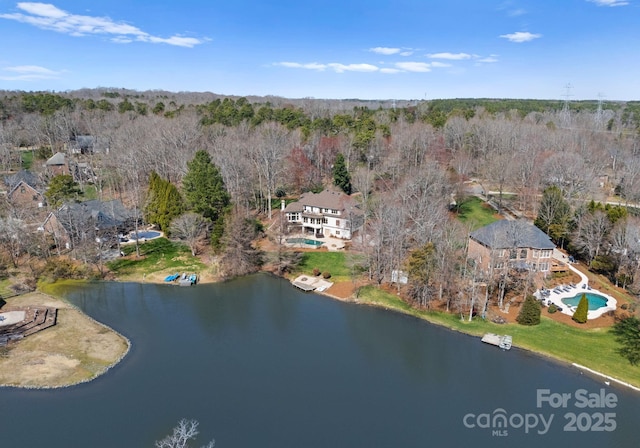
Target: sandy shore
77,349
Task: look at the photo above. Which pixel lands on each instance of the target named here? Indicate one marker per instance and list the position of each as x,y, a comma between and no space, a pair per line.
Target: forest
572,168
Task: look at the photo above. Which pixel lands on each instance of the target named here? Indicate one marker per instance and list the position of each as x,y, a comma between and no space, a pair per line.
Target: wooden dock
502,341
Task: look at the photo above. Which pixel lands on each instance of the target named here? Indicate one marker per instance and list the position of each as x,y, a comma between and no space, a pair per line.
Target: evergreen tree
581,312
61,188
341,177
206,193
164,202
530,312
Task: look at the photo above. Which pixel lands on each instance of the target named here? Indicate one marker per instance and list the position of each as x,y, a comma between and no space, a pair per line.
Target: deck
502,341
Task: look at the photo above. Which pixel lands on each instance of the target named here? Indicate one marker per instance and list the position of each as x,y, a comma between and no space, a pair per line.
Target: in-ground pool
596,301
304,241
145,234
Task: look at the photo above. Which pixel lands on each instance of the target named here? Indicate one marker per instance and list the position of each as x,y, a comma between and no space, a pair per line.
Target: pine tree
581,312
164,202
530,312
341,177
206,193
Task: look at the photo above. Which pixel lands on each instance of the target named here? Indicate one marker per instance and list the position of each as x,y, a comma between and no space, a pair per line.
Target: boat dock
311,283
502,341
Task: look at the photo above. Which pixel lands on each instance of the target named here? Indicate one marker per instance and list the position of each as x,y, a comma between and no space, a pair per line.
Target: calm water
261,364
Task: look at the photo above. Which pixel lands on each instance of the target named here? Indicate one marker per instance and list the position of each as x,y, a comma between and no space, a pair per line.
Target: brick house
508,244
24,190
328,213
88,220
57,164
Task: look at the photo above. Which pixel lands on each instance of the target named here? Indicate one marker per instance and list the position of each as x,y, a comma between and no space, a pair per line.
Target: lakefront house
511,244
328,213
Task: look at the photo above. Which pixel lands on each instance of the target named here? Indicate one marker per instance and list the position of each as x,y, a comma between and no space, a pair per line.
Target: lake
261,364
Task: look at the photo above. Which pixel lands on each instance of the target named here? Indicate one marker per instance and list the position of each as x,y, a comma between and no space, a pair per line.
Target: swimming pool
596,301
145,234
304,241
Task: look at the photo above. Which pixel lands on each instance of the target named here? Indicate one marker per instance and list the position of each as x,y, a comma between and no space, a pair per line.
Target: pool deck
331,243
582,287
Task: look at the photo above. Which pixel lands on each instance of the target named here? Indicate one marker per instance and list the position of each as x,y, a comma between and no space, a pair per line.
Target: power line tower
565,114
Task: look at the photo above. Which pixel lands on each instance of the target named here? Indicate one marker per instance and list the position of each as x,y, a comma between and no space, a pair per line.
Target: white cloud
438,64
49,17
489,59
385,50
516,12
390,70
406,53
450,56
609,2
520,36
309,66
28,73
340,68
421,67
335,66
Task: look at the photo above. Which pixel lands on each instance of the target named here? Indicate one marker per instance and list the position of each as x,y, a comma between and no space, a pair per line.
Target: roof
22,182
104,214
505,234
25,176
329,199
57,159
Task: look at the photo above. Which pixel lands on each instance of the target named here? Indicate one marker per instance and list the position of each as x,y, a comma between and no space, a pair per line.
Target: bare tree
191,228
185,431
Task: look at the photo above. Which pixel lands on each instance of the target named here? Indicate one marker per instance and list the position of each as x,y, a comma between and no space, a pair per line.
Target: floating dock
502,341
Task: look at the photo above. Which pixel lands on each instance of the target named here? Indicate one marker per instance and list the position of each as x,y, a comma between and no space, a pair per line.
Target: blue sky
375,49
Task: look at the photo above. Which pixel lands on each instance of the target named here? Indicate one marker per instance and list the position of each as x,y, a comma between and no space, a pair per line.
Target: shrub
326,275
552,308
316,271
530,312
580,314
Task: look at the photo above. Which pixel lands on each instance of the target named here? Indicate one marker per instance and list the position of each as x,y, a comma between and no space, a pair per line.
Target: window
536,253
523,253
501,253
499,265
305,219
334,212
544,267
545,254
22,190
337,223
325,221
513,254
337,232
534,267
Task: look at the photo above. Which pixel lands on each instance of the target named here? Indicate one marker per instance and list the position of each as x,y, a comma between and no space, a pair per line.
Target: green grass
27,159
593,348
155,255
89,192
332,262
4,288
474,212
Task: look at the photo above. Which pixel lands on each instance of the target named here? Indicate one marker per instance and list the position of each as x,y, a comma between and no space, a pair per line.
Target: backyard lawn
335,263
155,255
474,212
593,348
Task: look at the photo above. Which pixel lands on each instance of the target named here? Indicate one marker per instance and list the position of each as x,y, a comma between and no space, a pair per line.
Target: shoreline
357,301
561,361
67,353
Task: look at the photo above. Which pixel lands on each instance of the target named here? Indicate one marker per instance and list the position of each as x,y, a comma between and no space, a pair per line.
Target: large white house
329,213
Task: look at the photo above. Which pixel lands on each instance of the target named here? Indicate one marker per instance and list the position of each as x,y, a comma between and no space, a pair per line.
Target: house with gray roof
328,213
93,219
511,244
57,164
